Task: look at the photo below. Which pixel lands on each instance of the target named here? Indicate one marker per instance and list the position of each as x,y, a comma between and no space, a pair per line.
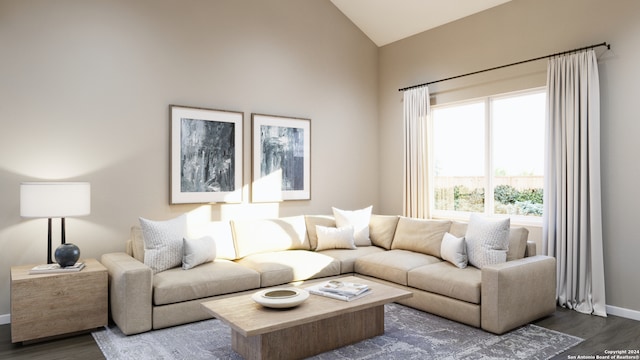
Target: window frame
489,195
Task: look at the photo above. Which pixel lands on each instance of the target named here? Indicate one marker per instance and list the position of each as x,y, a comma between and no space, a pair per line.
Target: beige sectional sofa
403,252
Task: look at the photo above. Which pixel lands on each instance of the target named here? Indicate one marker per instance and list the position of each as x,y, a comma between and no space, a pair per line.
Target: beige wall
85,88
519,30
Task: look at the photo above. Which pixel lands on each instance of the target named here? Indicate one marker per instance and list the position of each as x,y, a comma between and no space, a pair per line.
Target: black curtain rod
507,65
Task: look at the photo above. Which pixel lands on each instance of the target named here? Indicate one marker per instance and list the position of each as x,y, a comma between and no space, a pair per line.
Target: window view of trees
508,200
488,155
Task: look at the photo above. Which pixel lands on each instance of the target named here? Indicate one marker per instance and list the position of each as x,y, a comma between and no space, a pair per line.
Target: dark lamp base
67,254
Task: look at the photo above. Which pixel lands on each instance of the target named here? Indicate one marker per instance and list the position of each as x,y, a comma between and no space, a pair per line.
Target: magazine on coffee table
341,290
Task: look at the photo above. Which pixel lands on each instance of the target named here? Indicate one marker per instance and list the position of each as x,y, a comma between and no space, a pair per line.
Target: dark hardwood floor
600,334
70,348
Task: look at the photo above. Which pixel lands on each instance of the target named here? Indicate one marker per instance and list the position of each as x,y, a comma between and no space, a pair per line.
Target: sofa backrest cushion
458,229
518,237
382,228
220,231
420,235
311,221
267,235
135,245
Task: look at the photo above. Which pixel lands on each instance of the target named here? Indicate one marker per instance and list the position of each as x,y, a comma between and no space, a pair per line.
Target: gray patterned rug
409,334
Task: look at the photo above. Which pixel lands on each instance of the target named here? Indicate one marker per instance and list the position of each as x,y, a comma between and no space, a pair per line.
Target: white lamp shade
54,199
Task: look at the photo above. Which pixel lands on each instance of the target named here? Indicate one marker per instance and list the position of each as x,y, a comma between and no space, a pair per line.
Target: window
488,156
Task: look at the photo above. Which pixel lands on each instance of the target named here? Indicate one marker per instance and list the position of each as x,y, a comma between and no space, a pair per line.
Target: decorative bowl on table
280,298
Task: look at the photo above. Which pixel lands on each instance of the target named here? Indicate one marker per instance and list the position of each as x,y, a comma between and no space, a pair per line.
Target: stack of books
341,290
55,268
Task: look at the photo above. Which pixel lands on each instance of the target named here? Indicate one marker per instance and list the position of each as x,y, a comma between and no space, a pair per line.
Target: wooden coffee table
319,324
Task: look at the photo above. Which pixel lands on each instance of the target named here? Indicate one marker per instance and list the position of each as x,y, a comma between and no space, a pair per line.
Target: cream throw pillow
335,238
487,241
163,242
198,251
454,250
359,219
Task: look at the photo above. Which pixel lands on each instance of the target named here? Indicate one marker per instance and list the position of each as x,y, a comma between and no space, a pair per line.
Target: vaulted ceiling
386,21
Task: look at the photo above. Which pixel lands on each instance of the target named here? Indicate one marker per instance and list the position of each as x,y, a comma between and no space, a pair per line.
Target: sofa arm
130,290
517,292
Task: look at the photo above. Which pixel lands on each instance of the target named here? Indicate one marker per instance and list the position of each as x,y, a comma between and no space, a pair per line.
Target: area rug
409,334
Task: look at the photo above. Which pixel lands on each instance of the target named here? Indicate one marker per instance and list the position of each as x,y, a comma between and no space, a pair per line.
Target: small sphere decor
67,254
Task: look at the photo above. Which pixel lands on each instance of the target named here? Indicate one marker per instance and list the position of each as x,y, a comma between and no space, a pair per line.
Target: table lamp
54,200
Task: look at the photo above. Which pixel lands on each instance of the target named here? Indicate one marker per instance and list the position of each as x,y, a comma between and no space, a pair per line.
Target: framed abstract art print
206,155
281,153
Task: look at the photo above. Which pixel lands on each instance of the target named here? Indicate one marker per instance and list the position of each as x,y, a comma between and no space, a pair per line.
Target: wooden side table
47,305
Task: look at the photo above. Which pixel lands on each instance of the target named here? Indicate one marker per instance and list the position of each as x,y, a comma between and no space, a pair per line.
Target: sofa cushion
448,280
420,235
454,250
136,243
335,238
281,267
220,231
487,241
392,265
197,251
348,258
311,221
458,229
163,242
359,219
382,228
518,237
268,235
210,279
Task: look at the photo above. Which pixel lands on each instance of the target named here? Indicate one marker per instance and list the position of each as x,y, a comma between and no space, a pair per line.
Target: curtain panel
572,221
416,160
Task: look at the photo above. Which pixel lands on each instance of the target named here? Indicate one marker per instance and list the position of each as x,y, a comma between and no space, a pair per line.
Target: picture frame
281,158
206,155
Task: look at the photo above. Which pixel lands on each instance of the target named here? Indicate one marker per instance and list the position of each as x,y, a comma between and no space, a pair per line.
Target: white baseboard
622,312
5,319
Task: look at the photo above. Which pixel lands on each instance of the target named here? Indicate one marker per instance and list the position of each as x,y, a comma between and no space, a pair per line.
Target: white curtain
416,164
572,225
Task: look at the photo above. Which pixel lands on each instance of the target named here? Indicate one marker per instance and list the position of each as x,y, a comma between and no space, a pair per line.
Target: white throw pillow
454,250
198,251
359,219
163,242
335,238
487,241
